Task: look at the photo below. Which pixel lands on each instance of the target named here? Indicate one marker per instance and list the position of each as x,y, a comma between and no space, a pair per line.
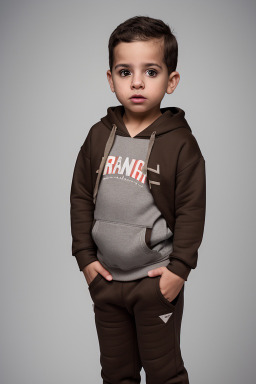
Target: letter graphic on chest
116,165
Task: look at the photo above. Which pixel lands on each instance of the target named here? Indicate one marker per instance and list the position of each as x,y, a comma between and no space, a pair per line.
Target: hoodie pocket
123,246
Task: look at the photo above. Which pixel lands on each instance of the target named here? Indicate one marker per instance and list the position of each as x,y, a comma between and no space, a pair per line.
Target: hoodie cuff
83,259
179,268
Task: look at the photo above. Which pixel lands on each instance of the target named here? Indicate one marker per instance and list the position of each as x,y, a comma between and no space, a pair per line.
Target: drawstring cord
103,160
150,145
107,150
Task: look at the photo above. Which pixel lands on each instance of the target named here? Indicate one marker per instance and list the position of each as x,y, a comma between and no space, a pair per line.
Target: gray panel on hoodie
125,211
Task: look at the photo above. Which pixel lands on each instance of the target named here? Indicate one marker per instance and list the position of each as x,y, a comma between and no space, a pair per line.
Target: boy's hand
170,283
91,270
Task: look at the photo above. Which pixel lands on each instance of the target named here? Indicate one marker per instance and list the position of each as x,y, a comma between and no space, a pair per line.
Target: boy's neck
137,123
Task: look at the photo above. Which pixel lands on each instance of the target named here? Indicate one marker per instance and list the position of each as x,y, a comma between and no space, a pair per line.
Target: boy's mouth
137,98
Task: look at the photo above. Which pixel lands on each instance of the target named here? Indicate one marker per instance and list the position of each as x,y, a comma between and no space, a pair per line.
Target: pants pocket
170,304
96,279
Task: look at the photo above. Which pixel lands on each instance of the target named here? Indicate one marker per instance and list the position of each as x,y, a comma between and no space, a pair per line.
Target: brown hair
143,28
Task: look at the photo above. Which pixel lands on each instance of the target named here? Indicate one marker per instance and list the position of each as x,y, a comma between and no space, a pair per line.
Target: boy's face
132,74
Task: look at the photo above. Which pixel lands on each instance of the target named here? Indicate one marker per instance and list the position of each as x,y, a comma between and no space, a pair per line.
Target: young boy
138,199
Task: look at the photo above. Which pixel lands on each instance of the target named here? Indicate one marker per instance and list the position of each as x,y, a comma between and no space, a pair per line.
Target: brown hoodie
165,160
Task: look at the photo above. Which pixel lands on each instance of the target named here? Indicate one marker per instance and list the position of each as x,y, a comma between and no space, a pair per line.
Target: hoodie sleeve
82,208
190,207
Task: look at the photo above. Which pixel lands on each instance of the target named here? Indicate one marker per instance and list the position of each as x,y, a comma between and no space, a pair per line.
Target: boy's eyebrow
145,65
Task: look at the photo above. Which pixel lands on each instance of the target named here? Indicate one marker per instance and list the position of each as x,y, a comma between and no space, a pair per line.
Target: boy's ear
173,81
110,80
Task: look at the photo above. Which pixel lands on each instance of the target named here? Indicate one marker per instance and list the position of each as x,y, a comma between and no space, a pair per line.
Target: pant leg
119,355
158,324
137,326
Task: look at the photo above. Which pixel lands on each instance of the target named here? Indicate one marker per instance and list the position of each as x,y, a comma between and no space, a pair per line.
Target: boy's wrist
179,268
84,258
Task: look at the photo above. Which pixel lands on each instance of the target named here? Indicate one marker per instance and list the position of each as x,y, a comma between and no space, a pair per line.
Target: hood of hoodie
172,118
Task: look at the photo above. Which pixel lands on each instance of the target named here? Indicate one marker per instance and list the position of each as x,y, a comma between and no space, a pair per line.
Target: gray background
54,60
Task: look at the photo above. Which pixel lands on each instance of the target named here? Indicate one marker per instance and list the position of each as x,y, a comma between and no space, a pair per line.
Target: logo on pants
165,317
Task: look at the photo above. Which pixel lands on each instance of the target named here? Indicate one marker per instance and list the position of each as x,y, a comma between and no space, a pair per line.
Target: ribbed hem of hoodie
179,268
135,273
84,259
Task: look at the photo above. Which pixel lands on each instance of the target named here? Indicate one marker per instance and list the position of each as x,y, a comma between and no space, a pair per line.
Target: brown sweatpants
138,327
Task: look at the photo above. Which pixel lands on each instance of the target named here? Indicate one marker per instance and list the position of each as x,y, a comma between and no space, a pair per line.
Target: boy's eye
123,71
153,71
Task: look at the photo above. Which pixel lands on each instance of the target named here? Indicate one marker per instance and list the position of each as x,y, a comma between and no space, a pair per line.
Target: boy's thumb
106,274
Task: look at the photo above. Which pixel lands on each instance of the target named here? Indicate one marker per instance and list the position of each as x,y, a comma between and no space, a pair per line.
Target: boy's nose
137,82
